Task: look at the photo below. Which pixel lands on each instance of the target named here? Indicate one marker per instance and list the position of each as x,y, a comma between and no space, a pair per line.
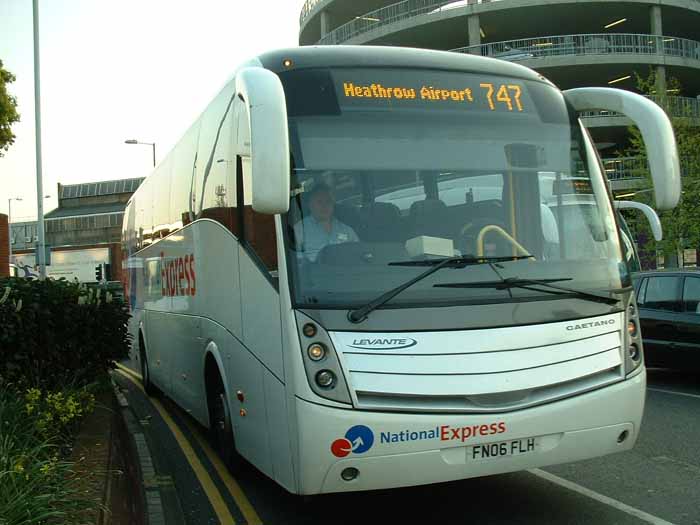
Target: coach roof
391,57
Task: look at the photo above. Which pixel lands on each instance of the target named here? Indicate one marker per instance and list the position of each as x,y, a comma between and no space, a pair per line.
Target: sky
116,70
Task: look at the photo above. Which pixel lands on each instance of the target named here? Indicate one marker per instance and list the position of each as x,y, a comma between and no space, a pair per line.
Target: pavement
657,482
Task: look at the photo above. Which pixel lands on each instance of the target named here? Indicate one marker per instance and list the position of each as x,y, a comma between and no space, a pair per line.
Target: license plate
515,447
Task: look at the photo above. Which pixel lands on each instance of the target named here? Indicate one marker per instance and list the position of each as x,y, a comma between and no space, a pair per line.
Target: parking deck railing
587,44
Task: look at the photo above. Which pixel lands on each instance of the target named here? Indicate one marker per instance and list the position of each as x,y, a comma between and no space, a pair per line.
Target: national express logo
177,275
358,440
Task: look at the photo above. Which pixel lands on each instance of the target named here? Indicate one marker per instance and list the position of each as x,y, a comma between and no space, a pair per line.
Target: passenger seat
381,222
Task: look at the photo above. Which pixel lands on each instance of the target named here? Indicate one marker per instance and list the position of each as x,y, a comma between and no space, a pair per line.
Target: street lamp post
41,246
153,144
9,226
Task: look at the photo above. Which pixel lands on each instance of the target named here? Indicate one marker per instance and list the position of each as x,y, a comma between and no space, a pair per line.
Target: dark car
669,313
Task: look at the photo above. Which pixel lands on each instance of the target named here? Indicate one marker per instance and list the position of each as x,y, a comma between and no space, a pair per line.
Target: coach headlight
325,379
316,352
323,370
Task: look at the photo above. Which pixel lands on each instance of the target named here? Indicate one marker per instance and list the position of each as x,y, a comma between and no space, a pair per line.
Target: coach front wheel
221,427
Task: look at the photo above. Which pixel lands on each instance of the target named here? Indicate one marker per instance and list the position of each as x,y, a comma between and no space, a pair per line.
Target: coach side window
219,199
259,228
184,161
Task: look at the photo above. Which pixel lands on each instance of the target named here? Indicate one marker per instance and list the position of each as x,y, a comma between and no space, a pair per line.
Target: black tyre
148,386
221,426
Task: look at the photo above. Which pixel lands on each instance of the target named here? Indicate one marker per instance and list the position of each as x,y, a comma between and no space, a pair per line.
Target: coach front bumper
397,449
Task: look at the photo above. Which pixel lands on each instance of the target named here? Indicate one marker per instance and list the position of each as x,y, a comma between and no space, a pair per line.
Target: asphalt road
656,482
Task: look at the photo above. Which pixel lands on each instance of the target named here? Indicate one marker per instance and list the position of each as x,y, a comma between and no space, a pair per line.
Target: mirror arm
648,212
656,130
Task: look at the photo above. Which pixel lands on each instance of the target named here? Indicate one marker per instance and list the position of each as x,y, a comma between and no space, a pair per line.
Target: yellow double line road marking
205,480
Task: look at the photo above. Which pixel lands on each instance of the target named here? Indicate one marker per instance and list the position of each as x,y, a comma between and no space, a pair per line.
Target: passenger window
662,293
258,228
218,198
691,295
184,163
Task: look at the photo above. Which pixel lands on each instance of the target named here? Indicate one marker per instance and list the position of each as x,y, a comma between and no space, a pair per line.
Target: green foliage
37,483
681,225
58,413
57,333
8,110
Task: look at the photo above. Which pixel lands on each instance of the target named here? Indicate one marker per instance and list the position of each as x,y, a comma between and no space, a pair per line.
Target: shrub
57,333
37,485
57,414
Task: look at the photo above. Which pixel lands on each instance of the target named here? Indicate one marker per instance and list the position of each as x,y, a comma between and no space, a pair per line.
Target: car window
691,294
662,293
641,291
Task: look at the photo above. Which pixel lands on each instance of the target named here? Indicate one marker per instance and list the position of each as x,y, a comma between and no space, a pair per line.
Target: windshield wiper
360,314
465,260
528,284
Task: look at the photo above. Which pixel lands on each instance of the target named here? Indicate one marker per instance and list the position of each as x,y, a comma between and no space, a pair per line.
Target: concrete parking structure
573,43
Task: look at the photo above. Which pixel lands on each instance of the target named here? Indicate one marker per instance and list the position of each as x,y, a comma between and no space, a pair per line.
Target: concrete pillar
661,81
474,29
656,21
657,29
325,23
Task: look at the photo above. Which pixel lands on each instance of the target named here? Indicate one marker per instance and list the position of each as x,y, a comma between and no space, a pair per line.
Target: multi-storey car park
573,43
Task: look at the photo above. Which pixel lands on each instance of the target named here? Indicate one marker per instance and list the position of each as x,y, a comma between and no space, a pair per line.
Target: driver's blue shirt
313,236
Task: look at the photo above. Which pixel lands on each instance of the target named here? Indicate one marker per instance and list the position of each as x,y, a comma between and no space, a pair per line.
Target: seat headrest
383,209
427,206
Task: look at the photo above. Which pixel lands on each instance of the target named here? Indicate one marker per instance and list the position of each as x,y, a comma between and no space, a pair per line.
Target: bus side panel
211,256
159,327
278,430
262,329
246,374
216,281
186,352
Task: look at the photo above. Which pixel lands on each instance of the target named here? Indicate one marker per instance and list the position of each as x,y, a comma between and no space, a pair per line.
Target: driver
321,228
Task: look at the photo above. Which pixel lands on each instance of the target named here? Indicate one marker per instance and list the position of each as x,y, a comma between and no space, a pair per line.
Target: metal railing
625,168
386,15
686,107
587,44
631,168
389,15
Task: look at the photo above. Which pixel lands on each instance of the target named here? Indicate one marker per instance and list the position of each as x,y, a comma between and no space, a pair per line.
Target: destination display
571,186
430,89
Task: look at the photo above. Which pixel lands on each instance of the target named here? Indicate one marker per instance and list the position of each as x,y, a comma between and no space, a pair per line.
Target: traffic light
98,272
108,272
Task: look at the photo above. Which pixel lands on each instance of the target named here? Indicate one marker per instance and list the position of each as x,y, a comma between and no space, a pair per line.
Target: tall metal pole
154,154
41,245
9,232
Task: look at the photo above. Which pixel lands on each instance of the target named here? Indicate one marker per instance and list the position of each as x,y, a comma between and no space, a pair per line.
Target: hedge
58,333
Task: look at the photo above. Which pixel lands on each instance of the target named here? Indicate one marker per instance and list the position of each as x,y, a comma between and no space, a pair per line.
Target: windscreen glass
399,166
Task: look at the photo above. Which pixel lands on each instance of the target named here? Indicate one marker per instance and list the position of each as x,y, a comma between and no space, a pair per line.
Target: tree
8,110
681,225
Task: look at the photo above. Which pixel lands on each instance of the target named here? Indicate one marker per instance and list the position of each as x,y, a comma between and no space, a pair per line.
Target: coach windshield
393,168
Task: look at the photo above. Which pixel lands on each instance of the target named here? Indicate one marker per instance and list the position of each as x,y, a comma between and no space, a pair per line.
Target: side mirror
656,130
262,92
648,212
